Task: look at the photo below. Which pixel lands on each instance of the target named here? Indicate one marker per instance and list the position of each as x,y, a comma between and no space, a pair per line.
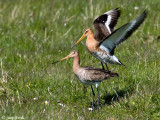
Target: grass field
34,33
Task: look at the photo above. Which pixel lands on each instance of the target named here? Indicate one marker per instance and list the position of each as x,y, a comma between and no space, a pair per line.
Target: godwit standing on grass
103,48
88,75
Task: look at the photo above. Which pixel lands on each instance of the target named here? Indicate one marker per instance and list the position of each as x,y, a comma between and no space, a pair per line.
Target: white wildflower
90,109
35,98
136,8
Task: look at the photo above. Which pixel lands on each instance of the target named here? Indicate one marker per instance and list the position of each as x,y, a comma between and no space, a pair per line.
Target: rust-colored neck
91,43
76,64
90,36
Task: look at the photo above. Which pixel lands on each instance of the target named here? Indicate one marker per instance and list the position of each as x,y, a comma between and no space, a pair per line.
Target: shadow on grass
126,92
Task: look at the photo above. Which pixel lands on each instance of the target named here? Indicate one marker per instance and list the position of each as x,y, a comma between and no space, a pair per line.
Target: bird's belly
102,56
105,57
85,81
83,77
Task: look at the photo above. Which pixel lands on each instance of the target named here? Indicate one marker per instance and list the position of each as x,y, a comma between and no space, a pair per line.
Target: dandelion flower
46,102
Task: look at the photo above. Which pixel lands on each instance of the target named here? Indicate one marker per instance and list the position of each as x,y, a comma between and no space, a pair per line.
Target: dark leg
98,98
93,97
102,66
107,67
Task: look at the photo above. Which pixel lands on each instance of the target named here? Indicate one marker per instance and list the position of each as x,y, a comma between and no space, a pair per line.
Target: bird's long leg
102,66
93,97
107,67
98,98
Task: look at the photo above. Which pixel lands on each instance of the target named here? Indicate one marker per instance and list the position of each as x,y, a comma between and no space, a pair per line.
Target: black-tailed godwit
89,75
103,48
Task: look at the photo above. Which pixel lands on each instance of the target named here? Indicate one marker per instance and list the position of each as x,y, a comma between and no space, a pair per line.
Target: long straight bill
61,59
83,36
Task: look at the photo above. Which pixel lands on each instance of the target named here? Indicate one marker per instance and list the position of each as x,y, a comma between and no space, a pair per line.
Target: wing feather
105,24
121,34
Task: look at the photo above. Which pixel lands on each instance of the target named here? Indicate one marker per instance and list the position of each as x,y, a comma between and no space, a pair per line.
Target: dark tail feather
122,63
114,74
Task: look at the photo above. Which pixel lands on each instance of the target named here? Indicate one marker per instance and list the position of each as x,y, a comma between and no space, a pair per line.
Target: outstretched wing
121,34
105,24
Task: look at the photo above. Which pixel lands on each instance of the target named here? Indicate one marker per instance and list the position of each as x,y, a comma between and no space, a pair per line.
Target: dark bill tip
73,46
55,62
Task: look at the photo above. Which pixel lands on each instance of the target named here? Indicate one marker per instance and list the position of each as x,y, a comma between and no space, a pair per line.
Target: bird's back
90,75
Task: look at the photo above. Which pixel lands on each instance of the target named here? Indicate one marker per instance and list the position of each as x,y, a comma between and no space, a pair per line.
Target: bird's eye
86,31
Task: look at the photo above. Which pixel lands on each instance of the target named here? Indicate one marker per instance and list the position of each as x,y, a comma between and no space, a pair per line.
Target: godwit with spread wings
103,43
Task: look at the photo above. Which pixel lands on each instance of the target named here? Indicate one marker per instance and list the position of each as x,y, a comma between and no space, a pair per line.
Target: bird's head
87,32
72,54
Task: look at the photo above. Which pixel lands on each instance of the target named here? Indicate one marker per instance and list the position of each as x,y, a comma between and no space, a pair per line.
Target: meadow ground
34,33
